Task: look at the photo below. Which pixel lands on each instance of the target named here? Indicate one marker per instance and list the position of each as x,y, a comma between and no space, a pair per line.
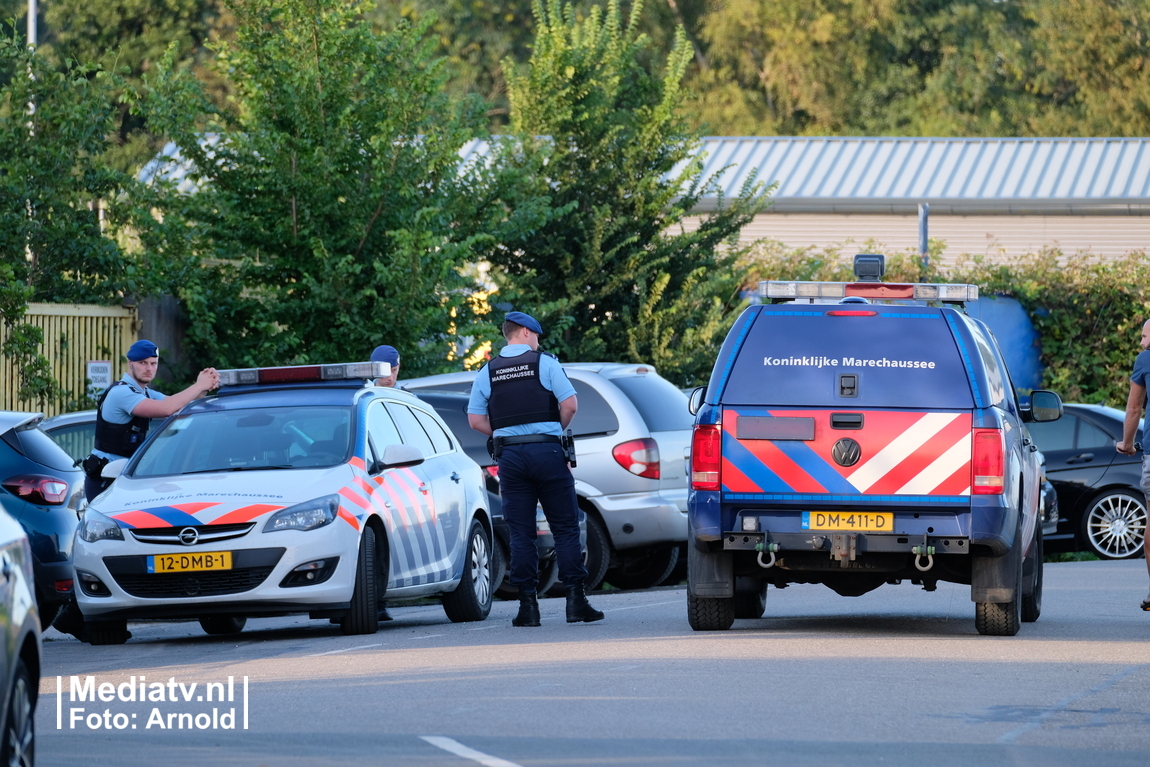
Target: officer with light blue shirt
524,400
126,408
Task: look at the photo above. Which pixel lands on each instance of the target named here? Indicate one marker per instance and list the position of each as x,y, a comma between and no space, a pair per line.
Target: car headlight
94,526
305,516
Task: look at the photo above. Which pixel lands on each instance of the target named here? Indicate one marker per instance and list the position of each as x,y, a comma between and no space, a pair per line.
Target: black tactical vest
517,395
119,438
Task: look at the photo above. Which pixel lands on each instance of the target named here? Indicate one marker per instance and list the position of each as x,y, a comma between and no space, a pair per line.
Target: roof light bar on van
779,289
305,373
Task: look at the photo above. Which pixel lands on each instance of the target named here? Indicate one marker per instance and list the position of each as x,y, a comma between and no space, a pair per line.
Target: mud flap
710,574
992,579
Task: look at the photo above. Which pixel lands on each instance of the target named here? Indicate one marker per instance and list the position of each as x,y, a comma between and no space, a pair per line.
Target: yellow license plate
188,563
869,521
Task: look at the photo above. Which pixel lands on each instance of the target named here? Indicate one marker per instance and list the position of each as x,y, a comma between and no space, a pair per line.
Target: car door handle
1081,458
455,477
423,487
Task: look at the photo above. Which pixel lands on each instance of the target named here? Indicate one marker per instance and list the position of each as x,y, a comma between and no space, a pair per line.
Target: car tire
1114,525
1002,619
218,625
598,552
106,632
363,617
19,746
500,567
710,613
471,599
643,568
751,604
48,611
1032,602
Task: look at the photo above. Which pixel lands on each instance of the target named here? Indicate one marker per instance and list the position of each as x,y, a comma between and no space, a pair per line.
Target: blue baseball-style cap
141,350
387,354
526,320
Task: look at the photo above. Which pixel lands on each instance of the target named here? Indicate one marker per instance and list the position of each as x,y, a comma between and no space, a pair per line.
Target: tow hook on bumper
923,551
769,547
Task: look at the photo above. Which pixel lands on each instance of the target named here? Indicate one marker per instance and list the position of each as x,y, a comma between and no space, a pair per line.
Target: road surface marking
457,748
640,607
345,649
1065,703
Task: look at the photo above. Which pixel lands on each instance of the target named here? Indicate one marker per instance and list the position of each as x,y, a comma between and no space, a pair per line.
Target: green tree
332,213
63,207
614,273
129,37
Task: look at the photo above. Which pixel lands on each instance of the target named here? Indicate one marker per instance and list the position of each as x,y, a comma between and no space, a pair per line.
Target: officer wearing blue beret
523,399
390,355
127,407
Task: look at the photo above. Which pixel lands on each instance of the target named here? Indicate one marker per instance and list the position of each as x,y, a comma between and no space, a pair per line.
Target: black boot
578,608
528,611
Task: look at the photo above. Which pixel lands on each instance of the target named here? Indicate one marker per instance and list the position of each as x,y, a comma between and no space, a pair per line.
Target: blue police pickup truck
860,434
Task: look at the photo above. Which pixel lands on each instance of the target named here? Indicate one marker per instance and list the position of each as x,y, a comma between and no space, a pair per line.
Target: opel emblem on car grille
189,535
846,452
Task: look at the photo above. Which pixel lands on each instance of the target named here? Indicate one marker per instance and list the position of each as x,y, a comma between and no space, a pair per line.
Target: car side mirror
396,456
696,400
113,469
1045,406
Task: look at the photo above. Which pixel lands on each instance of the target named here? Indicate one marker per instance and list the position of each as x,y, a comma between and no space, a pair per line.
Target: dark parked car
1101,502
43,491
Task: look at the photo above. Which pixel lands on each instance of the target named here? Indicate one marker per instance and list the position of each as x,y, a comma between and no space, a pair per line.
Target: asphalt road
895,677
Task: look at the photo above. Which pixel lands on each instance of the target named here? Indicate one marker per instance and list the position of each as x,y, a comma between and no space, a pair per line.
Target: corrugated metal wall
995,236
73,335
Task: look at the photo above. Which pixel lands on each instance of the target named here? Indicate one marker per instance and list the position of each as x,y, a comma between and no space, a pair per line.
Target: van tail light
38,489
706,457
639,456
988,466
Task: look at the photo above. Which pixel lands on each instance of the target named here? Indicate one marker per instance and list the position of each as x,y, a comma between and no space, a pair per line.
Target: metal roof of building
961,176
1095,176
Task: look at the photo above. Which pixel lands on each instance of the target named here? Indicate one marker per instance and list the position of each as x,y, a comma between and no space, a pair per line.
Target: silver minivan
632,431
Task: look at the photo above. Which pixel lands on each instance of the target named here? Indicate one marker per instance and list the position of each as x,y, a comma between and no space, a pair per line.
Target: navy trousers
533,473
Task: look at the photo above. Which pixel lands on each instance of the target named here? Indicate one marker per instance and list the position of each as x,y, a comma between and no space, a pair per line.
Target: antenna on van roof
870,267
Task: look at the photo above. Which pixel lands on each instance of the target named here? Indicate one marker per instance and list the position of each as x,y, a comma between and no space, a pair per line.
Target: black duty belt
525,439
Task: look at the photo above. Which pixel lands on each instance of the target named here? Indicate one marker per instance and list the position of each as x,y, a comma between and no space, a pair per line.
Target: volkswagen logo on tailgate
846,452
189,535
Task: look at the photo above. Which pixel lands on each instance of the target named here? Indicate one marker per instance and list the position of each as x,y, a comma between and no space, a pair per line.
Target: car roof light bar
305,373
796,289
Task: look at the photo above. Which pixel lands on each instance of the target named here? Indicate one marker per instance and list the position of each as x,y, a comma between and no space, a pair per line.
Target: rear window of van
804,357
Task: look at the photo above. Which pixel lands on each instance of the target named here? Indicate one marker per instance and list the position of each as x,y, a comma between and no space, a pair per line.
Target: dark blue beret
526,320
141,350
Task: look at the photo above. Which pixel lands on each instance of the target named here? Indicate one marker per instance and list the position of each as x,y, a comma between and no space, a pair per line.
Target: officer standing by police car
524,401
127,407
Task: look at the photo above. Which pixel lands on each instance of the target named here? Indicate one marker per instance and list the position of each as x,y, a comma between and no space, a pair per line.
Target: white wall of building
994,236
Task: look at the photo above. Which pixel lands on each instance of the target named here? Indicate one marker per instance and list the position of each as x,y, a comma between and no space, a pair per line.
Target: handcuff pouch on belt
93,465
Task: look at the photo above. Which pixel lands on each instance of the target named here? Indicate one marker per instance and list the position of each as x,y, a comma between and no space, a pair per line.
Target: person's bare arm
207,380
1133,416
481,423
567,410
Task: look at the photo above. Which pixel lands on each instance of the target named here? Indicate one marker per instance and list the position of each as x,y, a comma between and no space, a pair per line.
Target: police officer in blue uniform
126,408
523,399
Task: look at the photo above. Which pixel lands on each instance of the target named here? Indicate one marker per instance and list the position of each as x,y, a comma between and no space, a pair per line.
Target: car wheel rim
480,569
1117,525
20,732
